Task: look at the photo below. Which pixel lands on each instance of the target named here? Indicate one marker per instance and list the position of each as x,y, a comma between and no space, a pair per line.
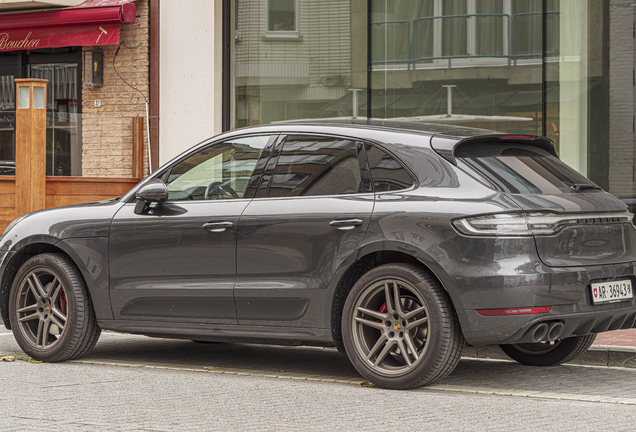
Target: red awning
96,22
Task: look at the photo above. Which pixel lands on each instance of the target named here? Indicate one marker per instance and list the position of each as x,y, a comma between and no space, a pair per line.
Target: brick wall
107,130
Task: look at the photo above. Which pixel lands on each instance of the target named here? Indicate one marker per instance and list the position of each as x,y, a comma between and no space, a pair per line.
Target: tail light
531,224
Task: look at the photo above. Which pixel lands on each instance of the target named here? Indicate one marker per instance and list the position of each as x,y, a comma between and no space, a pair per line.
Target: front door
177,261
308,218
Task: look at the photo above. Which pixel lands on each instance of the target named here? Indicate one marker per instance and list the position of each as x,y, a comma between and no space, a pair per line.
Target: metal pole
449,99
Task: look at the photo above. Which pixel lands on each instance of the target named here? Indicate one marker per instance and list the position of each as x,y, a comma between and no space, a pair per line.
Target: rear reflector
517,137
518,311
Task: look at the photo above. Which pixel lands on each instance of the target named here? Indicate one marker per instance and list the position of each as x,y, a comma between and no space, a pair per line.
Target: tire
549,353
374,335
60,323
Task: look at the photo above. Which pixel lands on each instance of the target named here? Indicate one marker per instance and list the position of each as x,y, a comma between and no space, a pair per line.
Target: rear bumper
522,328
533,284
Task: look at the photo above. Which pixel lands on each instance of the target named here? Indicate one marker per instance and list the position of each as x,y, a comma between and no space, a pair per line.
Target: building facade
560,68
89,125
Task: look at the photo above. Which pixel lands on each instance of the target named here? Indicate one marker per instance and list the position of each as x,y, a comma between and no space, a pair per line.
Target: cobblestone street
138,383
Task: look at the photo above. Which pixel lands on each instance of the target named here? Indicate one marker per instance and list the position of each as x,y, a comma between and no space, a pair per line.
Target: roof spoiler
446,146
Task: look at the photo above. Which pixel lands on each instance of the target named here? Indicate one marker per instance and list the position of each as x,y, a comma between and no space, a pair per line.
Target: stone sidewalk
621,338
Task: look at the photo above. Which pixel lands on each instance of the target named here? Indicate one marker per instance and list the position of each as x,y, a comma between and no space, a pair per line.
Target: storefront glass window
63,137
560,68
7,124
319,73
464,68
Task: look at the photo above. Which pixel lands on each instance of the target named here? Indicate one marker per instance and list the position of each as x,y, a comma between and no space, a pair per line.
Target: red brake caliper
63,302
382,310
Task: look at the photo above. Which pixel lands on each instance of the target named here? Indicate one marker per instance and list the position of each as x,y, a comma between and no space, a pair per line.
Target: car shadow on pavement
326,364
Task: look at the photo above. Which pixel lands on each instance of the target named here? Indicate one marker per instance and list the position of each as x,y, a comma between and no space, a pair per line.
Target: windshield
521,169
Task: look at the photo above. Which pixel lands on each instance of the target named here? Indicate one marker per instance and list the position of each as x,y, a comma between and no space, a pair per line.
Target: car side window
313,166
387,173
220,171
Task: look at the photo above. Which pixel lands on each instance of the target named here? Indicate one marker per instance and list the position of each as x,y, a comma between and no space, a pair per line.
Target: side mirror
154,191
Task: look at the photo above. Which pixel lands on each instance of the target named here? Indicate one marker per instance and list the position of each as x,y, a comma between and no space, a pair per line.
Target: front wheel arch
17,260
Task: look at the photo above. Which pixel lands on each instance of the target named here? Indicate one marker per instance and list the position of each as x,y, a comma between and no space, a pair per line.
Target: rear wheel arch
362,265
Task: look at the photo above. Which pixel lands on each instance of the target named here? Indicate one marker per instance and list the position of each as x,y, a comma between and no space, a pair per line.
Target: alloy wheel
41,308
391,327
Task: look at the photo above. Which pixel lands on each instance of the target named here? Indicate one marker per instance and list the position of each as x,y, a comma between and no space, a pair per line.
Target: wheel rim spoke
29,317
377,346
50,287
38,336
417,311
396,299
33,289
387,294
404,353
374,314
57,322
58,314
46,329
409,342
26,309
370,323
384,352
416,323
54,291
38,284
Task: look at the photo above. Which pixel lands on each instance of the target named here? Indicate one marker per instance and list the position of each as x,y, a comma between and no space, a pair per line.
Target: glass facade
296,59
560,68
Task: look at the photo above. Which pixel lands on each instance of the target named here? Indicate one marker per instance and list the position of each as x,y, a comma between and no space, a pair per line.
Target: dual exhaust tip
543,332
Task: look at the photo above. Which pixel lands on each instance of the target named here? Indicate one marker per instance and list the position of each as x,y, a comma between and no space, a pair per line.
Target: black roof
459,132
445,139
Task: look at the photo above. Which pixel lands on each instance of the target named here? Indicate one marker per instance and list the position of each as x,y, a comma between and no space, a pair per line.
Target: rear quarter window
520,169
387,173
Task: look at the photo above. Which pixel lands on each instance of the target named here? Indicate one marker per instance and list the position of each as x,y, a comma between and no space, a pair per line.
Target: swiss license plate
612,291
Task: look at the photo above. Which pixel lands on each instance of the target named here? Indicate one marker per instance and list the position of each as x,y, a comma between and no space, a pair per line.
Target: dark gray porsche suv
395,243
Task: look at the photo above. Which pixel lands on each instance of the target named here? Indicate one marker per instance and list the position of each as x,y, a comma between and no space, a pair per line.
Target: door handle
346,224
217,226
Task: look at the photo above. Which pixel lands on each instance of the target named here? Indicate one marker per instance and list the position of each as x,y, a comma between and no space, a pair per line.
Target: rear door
308,218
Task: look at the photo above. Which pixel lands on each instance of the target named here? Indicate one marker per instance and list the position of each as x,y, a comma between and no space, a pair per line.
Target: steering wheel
221,189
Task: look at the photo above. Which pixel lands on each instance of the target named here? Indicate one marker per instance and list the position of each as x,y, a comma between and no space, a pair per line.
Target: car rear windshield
521,169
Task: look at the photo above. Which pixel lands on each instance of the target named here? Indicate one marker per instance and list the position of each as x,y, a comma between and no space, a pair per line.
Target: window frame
405,167
164,173
283,34
262,192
